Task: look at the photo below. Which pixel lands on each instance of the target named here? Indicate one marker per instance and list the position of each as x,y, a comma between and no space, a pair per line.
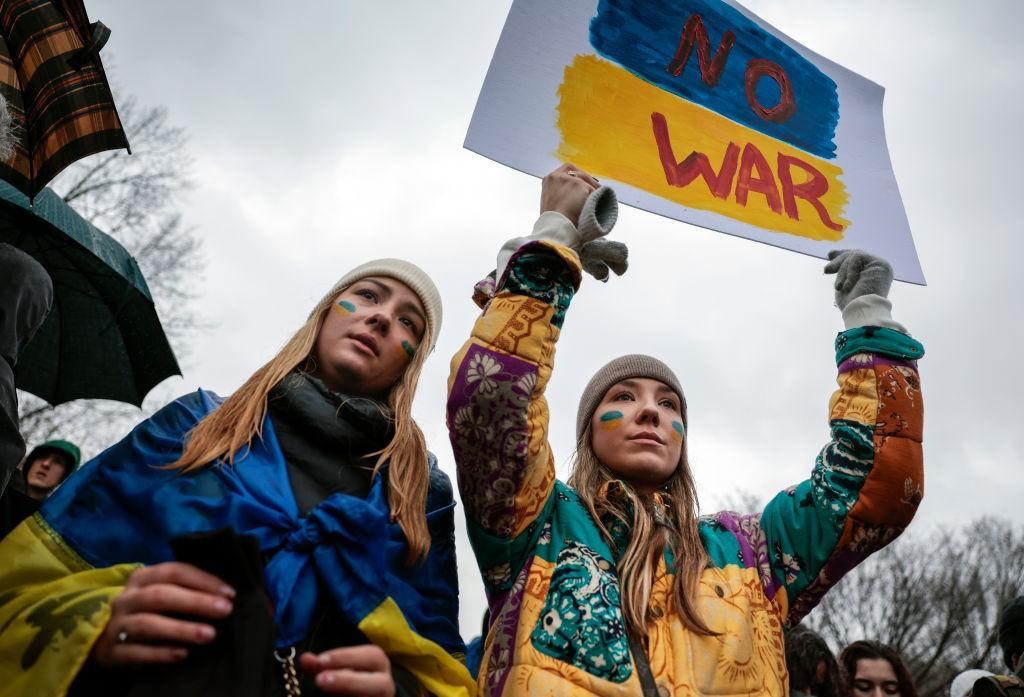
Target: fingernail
325,678
222,605
179,654
227,591
206,632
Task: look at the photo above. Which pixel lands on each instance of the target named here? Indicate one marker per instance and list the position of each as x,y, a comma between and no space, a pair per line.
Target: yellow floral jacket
556,623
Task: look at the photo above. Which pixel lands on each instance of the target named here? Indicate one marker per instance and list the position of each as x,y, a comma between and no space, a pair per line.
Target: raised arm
497,413
868,479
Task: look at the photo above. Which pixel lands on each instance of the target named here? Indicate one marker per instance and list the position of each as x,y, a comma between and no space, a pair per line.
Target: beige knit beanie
634,365
409,274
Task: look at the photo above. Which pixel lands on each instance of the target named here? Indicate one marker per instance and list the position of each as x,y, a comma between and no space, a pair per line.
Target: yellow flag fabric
53,607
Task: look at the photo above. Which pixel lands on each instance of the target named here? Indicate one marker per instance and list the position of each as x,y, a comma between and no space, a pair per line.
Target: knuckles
155,596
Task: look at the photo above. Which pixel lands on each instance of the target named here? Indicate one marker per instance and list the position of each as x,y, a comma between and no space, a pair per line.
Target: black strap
643,669
100,34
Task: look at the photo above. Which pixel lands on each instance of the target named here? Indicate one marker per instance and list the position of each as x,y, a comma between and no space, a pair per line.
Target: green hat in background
64,447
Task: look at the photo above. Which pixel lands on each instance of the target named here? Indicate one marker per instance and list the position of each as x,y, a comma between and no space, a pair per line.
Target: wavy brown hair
227,433
667,519
805,652
877,650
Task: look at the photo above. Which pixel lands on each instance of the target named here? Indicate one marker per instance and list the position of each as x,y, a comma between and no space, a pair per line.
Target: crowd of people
297,537
870,668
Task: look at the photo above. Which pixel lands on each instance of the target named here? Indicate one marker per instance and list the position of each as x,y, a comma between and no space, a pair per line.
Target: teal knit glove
857,274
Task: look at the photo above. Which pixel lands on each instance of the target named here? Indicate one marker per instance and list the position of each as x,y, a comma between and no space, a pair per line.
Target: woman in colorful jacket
611,584
317,464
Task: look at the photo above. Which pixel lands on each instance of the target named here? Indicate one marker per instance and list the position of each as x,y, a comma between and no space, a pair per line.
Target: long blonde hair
668,518
227,432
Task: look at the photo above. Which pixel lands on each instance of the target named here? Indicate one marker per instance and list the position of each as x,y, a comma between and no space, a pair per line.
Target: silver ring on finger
572,174
122,637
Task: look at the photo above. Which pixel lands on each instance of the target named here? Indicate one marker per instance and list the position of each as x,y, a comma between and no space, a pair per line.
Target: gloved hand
857,274
862,284
597,256
598,217
581,224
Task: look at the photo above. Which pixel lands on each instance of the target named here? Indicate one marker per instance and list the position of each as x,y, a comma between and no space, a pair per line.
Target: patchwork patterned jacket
556,621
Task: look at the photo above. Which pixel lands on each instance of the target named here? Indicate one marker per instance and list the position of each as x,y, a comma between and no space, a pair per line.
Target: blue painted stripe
643,35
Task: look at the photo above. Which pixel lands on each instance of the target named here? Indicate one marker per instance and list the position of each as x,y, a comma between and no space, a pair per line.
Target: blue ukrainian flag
62,567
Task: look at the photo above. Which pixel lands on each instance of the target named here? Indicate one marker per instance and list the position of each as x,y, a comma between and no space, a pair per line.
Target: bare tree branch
935,598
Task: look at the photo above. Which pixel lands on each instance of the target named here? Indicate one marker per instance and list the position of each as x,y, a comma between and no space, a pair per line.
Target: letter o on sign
758,68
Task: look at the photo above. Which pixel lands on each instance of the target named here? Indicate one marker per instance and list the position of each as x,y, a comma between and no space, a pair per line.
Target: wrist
871,311
878,340
551,226
555,226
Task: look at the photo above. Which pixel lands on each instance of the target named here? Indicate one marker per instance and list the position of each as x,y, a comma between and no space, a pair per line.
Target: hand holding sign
565,190
857,274
586,213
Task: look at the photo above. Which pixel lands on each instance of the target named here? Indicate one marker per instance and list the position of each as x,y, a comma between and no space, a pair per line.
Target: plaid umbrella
56,90
102,338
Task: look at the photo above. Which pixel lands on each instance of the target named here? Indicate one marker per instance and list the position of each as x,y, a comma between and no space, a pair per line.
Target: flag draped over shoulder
122,509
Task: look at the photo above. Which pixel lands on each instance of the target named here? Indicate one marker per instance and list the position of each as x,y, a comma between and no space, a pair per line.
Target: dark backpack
998,686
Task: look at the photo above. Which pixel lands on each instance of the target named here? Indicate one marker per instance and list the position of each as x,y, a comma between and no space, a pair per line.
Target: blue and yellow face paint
678,430
344,307
611,420
406,350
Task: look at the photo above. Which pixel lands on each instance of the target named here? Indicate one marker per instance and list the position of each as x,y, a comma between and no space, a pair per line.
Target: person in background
48,465
813,669
26,294
1011,641
1011,635
876,670
963,684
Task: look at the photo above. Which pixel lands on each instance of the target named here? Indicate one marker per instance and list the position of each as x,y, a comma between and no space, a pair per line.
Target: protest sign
700,111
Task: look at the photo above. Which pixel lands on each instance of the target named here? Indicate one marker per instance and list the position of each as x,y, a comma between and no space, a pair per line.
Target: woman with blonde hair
309,491
611,584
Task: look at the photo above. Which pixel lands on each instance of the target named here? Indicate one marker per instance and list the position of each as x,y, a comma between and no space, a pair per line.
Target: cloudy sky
328,133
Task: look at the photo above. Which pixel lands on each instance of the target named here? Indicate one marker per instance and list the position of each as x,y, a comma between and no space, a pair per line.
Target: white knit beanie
963,683
634,365
409,274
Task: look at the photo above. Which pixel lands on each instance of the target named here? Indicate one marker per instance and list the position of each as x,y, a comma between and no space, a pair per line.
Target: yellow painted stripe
606,117
436,669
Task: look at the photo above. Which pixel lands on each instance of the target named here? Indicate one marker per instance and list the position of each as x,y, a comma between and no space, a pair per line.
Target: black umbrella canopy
102,339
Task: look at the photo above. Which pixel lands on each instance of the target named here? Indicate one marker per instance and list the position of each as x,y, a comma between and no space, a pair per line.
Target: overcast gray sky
329,133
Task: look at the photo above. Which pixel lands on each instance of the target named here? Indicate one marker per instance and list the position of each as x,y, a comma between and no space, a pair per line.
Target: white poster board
699,111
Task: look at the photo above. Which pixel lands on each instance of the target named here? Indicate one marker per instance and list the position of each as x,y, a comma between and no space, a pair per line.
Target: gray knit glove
598,217
600,255
858,274
597,254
